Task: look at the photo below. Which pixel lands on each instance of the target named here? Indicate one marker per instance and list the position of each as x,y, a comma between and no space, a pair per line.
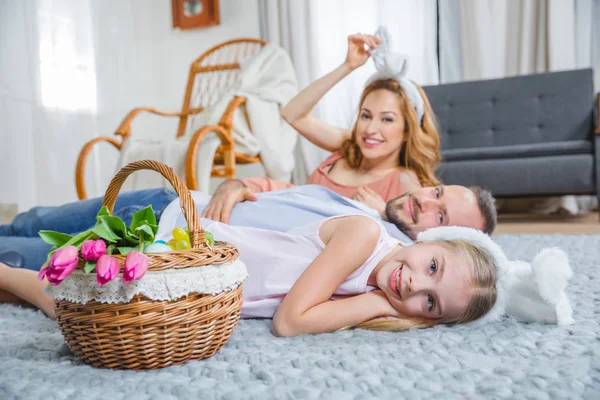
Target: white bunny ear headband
528,292
394,66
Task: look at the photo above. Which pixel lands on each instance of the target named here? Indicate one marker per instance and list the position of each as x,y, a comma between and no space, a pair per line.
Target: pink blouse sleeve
265,184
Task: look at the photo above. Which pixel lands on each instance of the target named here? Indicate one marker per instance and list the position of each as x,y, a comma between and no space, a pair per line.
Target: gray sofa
520,136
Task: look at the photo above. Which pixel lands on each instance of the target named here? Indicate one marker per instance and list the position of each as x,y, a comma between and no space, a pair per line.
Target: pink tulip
62,263
91,250
136,265
107,269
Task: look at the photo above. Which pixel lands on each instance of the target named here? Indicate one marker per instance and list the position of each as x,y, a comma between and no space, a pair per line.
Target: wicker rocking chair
211,75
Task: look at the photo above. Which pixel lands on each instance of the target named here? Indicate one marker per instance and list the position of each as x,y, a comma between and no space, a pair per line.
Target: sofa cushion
572,173
522,110
517,151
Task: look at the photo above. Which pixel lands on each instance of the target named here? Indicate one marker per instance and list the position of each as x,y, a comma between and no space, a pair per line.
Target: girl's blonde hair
420,149
482,296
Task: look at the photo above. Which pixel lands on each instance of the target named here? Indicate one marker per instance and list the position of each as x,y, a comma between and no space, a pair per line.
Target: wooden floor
547,224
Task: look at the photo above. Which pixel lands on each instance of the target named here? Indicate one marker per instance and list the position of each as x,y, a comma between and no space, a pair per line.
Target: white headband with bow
394,66
528,292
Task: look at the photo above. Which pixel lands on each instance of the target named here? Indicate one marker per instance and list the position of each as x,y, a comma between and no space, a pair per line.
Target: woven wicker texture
148,334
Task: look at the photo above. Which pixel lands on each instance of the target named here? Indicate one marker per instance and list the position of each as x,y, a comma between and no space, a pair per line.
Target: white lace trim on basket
80,287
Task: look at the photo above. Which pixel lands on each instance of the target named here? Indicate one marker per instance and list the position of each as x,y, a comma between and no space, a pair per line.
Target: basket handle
197,238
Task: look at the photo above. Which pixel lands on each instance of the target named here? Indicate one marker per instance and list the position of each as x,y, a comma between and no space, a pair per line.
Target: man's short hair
487,206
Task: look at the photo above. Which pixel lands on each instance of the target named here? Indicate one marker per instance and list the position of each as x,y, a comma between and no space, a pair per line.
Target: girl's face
380,125
426,280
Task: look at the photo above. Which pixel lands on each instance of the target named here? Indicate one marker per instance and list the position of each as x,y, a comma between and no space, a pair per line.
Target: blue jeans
22,234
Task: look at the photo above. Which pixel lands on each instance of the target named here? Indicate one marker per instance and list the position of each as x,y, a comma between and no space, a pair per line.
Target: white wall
130,50
153,57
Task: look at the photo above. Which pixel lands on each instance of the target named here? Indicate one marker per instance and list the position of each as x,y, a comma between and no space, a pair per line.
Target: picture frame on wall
195,14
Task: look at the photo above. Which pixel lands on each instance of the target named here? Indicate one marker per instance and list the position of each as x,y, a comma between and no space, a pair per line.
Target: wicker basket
148,334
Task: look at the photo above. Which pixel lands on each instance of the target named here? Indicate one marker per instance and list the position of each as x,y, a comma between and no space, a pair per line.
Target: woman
392,149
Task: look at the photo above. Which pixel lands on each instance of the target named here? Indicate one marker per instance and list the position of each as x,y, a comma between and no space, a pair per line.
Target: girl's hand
384,305
357,55
372,199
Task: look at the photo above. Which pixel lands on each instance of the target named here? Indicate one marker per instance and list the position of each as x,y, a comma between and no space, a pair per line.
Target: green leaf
120,229
209,236
89,266
54,238
125,250
148,230
143,217
105,233
116,224
111,226
104,228
77,240
103,211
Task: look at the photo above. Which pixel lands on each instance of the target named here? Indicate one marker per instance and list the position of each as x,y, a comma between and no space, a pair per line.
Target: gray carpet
505,360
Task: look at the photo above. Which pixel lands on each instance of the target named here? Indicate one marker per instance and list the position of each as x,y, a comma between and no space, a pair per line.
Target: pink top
275,260
389,187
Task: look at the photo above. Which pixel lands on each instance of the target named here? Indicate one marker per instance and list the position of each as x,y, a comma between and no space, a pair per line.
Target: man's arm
227,195
234,191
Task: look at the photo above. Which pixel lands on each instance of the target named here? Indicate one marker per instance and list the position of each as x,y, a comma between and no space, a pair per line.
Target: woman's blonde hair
482,295
421,140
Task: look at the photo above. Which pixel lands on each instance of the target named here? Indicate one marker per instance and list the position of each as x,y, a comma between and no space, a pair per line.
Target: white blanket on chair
268,81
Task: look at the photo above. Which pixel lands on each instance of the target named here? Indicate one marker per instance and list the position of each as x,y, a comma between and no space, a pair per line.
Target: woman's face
380,125
426,280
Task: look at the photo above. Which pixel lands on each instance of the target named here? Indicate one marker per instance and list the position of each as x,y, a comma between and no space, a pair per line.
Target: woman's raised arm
297,112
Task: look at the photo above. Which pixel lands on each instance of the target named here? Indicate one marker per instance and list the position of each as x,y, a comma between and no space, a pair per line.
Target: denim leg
159,200
76,217
34,250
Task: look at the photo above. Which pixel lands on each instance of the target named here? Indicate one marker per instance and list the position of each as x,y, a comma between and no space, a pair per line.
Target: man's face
430,207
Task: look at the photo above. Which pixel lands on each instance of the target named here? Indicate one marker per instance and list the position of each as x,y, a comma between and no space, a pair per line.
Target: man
279,210
411,213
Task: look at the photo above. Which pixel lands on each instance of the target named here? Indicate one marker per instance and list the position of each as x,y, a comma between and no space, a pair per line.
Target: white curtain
63,67
67,67
315,34
70,70
47,97
484,39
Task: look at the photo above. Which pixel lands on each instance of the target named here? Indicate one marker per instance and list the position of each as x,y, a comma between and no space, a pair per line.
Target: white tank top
275,260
